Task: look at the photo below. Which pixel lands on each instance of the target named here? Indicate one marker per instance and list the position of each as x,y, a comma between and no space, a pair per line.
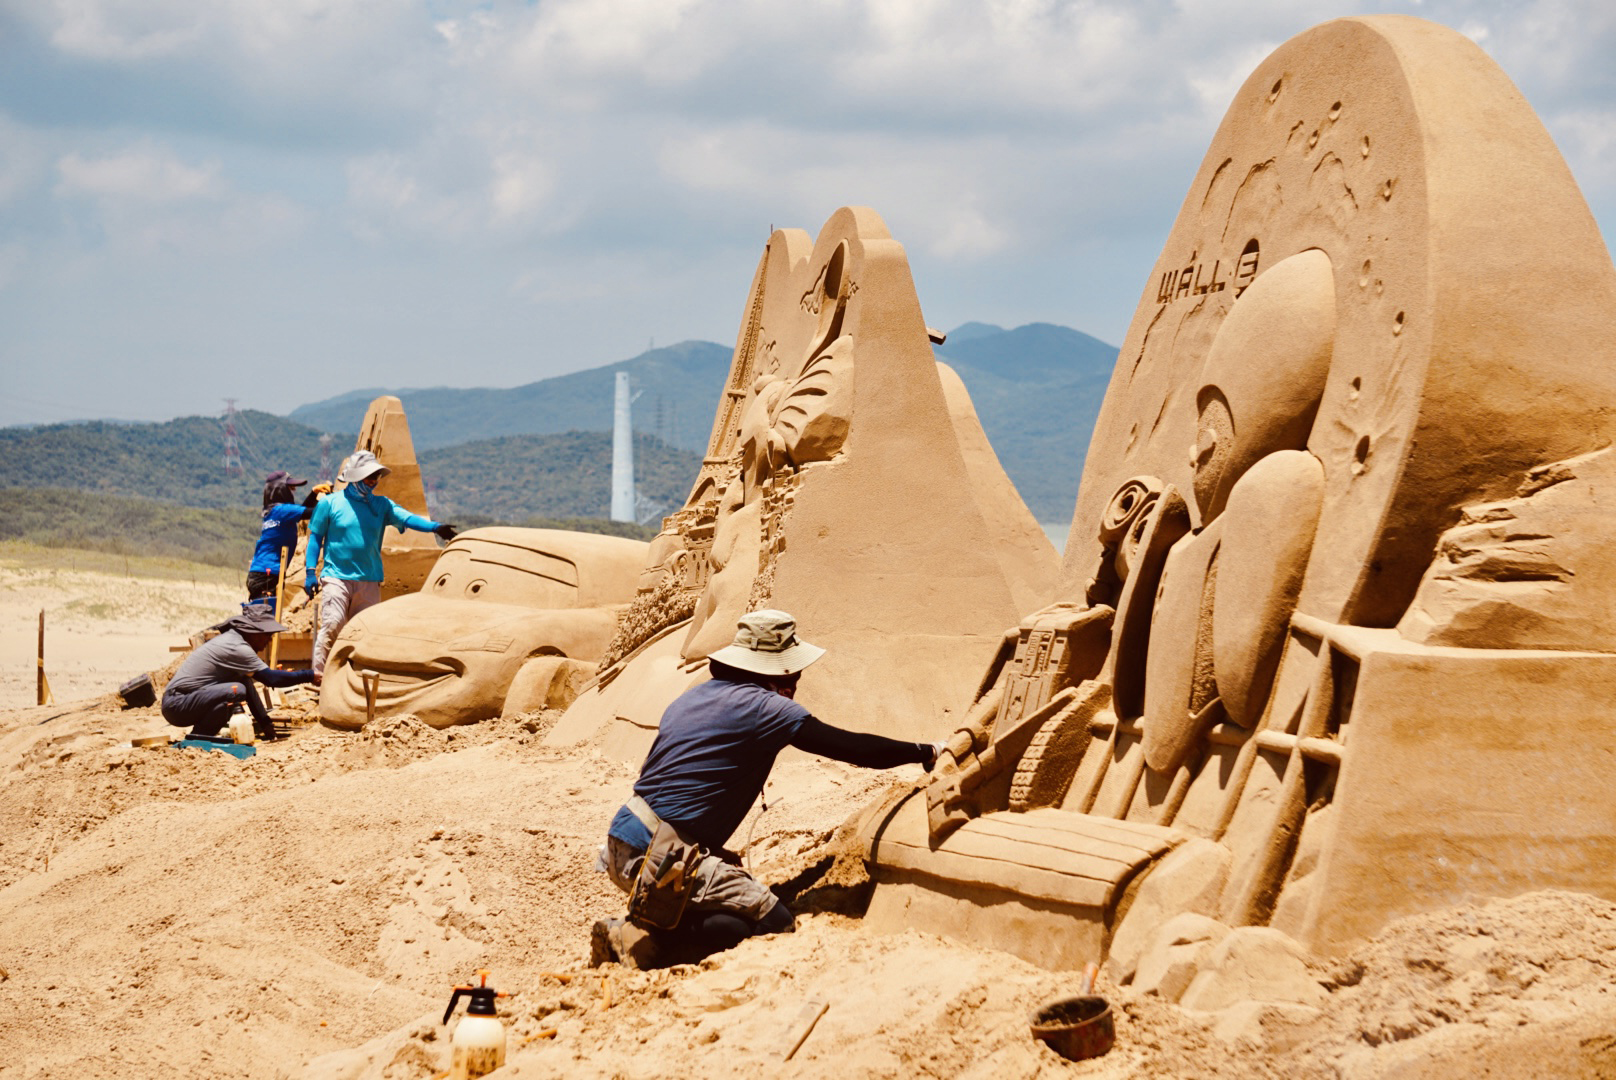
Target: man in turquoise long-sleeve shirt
348,527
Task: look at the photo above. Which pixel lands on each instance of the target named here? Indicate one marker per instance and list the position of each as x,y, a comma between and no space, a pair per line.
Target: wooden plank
1005,877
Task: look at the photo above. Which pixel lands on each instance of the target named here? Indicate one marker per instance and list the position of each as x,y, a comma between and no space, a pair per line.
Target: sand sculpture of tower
1336,637
846,481
406,557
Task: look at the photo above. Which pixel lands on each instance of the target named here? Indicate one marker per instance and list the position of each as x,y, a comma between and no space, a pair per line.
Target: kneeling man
688,895
216,679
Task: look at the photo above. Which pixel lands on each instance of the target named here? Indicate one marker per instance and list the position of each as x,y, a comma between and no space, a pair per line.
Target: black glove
448,532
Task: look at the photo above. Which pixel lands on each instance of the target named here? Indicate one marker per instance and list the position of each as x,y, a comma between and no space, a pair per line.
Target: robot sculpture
1335,643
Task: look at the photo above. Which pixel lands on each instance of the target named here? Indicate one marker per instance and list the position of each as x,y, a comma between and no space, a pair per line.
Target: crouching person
688,895
216,679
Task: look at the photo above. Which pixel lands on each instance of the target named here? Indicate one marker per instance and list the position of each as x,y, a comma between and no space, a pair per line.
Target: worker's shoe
620,941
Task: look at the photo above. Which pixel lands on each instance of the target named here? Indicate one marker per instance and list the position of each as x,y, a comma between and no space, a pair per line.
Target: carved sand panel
848,482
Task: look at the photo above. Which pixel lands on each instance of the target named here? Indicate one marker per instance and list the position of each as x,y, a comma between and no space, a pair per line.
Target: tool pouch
666,879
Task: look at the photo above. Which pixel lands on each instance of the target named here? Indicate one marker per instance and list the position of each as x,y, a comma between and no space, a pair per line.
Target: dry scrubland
169,913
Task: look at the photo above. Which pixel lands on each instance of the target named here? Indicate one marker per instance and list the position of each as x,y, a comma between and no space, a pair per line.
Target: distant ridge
678,390
1037,389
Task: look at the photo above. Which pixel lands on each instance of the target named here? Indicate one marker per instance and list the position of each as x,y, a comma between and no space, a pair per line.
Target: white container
478,1047
241,730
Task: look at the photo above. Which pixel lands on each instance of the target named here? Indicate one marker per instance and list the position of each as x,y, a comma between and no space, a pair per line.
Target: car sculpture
508,620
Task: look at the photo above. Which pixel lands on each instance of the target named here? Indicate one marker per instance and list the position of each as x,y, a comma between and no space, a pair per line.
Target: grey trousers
720,886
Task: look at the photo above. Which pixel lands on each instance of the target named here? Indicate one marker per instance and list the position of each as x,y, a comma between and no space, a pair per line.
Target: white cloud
146,174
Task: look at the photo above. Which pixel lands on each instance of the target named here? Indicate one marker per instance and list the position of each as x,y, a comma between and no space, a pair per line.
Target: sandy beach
306,912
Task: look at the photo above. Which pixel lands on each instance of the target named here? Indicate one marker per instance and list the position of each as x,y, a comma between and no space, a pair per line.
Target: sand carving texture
847,481
407,557
509,620
1332,599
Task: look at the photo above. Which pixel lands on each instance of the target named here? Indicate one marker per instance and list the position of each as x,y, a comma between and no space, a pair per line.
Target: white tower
623,453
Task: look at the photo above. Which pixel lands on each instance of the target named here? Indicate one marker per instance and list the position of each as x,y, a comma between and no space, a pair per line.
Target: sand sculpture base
1390,778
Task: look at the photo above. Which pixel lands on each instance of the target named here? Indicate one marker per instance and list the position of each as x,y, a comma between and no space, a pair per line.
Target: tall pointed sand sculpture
407,557
848,482
1338,643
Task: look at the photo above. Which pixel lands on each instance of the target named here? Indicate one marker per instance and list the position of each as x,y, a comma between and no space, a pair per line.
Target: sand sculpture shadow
1335,631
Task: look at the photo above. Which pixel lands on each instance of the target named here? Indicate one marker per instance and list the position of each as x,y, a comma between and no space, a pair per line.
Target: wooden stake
42,684
372,682
275,639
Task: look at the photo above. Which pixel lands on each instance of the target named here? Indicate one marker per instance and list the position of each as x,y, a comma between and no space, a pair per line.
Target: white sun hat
766,643
362,464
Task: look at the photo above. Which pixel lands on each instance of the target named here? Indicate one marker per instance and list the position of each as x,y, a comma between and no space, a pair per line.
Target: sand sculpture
1335,643
407,557
509,620
847,481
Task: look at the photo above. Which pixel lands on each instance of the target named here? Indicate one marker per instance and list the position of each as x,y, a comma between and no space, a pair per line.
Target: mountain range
543,449
1037,389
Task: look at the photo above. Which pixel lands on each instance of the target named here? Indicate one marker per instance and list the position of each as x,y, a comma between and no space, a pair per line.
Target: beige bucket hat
766,643
362,464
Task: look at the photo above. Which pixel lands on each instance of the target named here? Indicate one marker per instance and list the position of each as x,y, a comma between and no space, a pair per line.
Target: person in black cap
216,679
282,512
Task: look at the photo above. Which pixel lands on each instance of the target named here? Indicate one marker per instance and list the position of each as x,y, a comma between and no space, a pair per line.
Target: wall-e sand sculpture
1337,643
847,481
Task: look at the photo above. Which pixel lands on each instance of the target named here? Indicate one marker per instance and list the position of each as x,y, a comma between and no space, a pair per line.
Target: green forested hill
87,521
543,450
567,476
179,461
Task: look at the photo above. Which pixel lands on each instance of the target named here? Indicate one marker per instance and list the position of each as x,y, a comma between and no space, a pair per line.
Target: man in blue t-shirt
348,527
713,752
282,513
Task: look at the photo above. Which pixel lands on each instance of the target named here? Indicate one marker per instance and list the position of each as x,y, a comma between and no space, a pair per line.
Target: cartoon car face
495,599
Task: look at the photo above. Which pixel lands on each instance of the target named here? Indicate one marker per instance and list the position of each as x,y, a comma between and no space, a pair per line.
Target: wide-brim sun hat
255,621
766,643
361,466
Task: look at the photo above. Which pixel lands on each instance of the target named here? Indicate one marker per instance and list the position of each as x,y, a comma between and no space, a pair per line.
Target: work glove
311,583
448,532
936,749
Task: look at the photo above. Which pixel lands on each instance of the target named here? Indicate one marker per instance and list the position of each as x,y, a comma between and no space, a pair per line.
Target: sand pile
305,912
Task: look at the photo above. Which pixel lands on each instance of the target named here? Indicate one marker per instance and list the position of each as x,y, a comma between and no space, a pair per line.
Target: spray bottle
479,1040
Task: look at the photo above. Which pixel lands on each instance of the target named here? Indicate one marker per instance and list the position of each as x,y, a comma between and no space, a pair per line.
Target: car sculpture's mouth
430,657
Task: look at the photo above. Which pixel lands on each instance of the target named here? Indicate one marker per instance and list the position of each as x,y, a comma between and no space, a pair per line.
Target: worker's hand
448,532
936,749
311,583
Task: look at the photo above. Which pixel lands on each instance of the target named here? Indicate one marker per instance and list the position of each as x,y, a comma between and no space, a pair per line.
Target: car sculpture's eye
443,579
475,587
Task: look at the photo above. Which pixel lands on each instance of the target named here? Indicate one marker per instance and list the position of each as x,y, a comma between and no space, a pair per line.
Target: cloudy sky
280,200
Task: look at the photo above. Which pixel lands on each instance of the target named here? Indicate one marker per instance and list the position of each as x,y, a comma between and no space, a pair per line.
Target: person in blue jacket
282,512
348,527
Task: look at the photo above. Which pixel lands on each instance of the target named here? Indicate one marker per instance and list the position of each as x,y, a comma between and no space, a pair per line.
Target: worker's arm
318,526
275,677
858,748
402,519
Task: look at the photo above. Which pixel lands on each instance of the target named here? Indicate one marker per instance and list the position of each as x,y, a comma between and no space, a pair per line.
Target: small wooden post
372,684
42,684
